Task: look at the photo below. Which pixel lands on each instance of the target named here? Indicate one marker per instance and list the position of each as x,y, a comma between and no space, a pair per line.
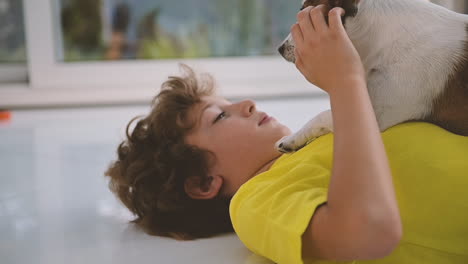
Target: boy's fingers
317,16
334,18
297,36
305,22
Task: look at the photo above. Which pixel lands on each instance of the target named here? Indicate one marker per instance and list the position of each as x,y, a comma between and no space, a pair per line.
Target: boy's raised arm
361,218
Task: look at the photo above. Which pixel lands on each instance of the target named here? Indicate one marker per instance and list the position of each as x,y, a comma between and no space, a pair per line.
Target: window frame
13,72
53,82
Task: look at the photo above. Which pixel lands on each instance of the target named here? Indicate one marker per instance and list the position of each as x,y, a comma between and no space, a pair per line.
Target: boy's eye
222,115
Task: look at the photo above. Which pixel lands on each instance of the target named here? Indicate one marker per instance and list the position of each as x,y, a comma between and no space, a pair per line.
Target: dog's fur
415,55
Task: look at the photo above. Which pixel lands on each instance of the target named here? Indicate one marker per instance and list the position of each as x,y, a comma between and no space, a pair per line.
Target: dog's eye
222,115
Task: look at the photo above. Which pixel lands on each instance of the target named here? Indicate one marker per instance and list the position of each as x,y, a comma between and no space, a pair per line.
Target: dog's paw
289,144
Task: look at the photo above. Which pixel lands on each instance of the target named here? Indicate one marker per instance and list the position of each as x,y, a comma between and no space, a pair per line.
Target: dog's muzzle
287,49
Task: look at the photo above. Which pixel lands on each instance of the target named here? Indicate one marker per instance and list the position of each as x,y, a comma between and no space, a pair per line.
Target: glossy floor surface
55,206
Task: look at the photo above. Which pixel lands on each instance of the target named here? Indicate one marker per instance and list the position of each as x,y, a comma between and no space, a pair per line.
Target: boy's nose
248,107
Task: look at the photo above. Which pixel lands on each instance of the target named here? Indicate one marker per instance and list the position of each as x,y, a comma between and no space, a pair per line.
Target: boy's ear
203,188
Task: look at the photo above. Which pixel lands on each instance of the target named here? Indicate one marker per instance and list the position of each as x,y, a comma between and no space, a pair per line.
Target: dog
415,55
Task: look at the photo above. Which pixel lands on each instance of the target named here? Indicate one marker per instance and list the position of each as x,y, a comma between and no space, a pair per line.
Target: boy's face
240,136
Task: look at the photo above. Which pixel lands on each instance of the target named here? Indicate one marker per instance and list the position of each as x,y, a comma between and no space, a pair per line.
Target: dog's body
415,55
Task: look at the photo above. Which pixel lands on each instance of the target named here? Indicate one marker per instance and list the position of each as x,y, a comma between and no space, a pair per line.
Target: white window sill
25,96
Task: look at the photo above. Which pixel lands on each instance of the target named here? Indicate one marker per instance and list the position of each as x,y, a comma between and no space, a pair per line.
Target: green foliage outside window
165,29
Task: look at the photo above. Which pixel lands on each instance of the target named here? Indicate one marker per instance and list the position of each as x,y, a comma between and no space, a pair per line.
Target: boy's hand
324,53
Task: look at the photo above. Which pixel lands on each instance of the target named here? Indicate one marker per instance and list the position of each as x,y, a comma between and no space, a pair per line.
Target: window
12,42
68,66
107,51
148,29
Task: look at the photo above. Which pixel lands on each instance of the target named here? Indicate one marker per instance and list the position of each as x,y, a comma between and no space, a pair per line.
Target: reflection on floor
55,206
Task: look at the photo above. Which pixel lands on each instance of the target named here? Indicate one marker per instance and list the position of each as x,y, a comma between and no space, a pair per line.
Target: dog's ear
350,6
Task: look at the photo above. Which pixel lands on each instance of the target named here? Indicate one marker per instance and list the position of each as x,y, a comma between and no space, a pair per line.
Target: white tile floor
55,206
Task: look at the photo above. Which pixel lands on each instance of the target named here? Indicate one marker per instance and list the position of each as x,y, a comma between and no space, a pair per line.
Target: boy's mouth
265,119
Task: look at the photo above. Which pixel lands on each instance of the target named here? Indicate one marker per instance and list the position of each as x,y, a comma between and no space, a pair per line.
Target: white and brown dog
415,55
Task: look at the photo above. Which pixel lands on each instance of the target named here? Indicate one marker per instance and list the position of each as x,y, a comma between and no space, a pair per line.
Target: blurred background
72,75
148,29
91,52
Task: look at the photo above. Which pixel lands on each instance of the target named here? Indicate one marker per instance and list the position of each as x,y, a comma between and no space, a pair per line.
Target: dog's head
350,6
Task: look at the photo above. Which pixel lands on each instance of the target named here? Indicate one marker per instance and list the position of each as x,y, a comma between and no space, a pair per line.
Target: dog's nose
281,49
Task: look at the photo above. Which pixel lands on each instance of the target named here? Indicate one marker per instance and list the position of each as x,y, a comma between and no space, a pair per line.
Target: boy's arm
361,218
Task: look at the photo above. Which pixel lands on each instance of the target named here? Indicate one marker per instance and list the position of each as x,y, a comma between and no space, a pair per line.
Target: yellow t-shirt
429,165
